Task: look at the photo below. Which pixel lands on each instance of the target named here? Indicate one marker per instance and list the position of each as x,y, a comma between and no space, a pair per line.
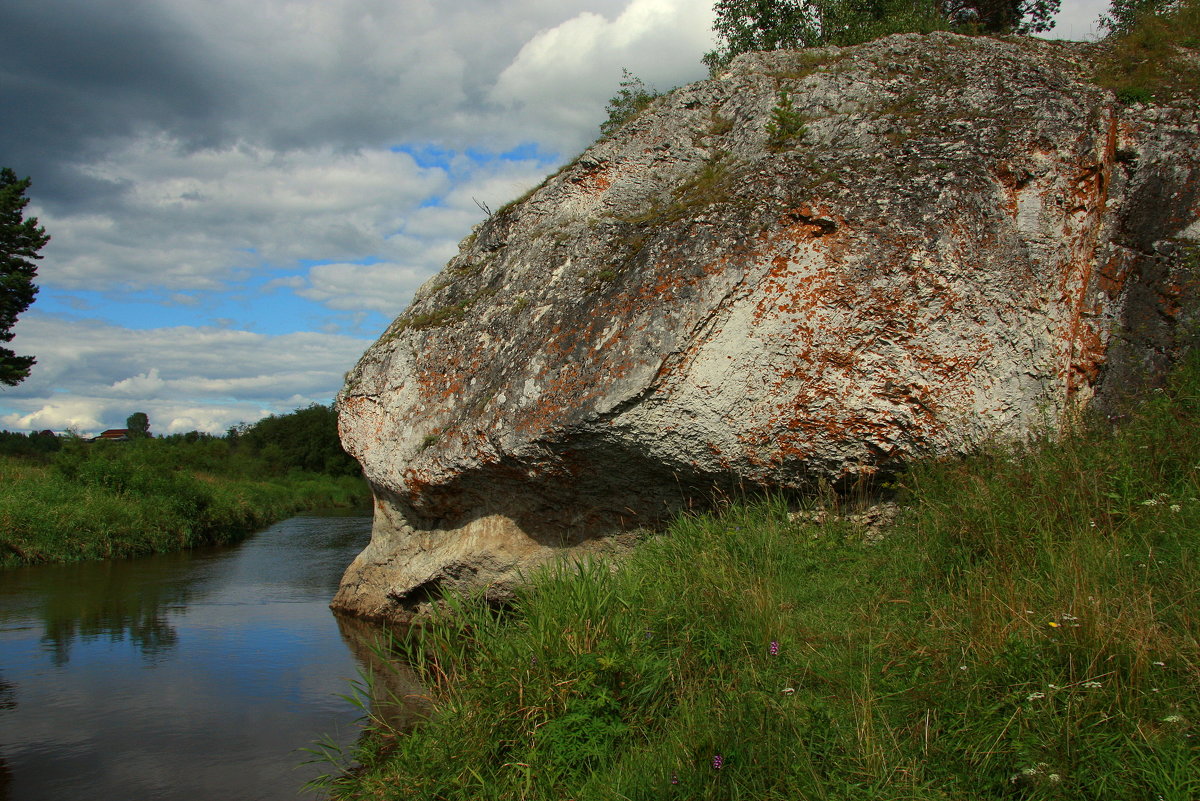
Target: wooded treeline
303,440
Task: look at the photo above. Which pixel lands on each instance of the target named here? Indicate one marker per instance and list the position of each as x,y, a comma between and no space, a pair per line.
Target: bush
786,126
306,439
34,445
627,103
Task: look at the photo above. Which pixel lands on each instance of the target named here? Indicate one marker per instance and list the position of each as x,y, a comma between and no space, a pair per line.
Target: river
194,675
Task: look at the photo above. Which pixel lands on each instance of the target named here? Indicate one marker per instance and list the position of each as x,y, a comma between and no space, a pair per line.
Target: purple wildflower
718,762
774,647
674,778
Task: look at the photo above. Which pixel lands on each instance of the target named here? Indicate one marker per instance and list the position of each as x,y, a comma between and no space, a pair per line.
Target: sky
242,194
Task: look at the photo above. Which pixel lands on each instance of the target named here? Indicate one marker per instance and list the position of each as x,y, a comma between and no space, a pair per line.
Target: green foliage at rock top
743,26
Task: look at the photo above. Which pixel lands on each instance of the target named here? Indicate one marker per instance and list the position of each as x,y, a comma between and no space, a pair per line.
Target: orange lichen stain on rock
1111,276
1087,359
1111,140
581,363
439,378
593,180
831,324
352,404
1169,297
1087,189
1011,185
1082,345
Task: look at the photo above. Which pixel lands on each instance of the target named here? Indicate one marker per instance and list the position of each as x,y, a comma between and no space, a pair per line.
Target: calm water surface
183,676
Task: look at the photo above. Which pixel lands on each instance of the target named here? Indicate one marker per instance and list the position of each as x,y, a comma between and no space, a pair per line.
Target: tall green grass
113,500
1029,628
1154,59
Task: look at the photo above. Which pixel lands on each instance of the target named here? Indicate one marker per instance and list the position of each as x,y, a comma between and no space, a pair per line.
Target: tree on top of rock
743,26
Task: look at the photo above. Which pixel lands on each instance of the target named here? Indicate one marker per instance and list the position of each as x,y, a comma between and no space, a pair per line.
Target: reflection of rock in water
397,697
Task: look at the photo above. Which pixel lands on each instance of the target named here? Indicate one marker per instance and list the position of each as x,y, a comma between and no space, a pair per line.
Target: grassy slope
1028,629
1147,64
125,505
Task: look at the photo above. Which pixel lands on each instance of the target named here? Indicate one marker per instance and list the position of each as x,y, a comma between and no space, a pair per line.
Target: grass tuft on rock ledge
1028,629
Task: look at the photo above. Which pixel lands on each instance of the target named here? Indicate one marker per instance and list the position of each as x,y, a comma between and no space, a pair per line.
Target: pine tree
20,241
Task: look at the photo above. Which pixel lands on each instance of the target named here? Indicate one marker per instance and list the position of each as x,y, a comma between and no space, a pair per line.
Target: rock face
966,240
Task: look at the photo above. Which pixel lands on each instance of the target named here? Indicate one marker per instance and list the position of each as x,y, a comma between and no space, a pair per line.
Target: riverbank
118,500
1028,628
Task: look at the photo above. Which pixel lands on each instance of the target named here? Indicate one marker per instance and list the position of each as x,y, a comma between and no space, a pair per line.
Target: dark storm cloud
76,76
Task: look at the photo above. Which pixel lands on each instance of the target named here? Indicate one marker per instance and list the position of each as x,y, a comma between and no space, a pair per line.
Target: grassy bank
1028,629
112,500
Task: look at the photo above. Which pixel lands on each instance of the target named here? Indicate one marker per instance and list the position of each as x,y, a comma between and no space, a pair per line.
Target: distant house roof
115,433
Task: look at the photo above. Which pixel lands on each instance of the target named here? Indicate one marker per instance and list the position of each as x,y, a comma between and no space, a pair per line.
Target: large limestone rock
968,239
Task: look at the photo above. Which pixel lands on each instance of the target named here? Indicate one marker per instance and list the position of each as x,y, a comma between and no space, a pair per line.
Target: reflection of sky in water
181,676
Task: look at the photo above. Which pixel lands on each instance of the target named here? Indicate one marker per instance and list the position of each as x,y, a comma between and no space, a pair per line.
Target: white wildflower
1035,696
1173,719
1091,685
1176,507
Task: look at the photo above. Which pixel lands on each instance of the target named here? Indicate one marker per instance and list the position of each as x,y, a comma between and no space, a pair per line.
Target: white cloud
194,219
561,79
75,414
92,375
1077,19
429,239
382,287
285,150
